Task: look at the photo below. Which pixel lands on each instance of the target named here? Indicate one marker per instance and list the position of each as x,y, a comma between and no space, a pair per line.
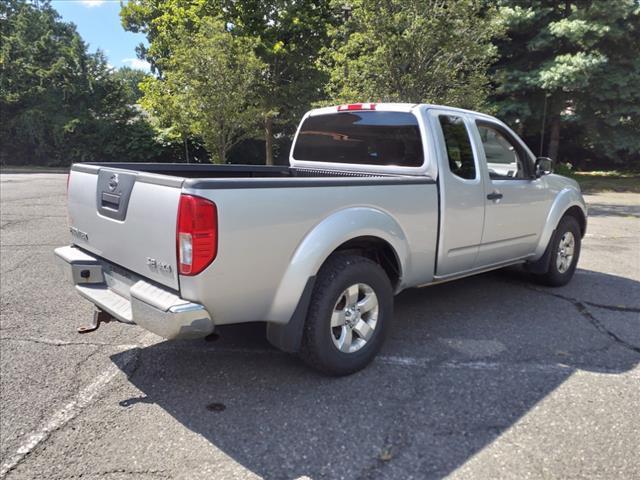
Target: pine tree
58,102
568,76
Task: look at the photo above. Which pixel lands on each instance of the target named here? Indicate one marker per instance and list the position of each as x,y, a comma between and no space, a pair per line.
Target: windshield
367,137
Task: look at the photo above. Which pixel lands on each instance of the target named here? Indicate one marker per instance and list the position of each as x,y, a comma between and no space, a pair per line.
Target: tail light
356,106
196,234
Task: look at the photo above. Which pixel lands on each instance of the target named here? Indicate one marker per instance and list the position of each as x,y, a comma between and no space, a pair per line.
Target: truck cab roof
392,107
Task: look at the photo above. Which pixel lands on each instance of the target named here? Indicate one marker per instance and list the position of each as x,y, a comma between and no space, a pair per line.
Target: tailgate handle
109,200
113,192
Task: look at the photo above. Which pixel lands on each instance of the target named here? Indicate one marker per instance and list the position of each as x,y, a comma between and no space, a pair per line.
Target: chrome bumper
132,299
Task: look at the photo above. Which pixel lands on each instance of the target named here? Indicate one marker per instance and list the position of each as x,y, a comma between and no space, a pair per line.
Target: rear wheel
565,251
349,314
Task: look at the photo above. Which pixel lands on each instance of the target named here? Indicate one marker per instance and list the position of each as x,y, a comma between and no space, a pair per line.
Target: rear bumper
132,299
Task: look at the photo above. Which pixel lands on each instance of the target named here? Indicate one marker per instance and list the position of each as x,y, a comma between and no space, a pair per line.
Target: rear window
371,138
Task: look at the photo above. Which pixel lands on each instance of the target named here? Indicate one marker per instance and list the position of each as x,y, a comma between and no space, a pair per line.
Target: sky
98,23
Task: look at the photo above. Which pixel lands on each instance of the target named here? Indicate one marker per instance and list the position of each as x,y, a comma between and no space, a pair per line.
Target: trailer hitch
99,316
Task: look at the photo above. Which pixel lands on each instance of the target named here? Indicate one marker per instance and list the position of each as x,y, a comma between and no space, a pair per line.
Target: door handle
494,196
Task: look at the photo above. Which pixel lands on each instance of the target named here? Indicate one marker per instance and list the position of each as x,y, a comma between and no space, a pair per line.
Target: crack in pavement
154,473
585,313
68,412
17,266
12,222
613,308
31,245
64,343
29,217
16,200
13,327
523,365
79,367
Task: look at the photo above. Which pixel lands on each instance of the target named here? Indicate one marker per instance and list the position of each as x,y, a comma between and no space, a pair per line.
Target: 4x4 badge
157,265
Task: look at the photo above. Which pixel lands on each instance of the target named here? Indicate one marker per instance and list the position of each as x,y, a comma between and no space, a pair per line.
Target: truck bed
200,170
209,176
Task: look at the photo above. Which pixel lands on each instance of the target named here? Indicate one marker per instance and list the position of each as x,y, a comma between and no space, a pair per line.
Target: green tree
290,36
60,104
163,22
130,79
287,36
412,51
208,88
169,110
571,71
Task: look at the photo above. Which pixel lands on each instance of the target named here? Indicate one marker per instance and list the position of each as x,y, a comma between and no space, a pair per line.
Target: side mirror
544,166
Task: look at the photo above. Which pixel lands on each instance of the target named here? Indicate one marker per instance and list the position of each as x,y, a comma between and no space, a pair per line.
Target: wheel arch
577,213
378,250
371,232
568,201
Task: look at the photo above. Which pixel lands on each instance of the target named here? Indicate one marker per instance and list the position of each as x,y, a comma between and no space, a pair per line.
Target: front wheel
565,251
349,314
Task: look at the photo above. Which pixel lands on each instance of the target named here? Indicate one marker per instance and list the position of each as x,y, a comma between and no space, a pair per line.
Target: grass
32,169
609,181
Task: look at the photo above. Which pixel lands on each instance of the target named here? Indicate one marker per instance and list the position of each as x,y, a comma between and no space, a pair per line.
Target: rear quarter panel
262,230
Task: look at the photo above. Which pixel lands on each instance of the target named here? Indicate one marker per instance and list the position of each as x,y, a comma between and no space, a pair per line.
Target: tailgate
128,218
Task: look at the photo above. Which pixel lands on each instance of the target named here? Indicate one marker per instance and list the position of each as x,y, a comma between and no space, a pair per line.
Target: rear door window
458,144
367,138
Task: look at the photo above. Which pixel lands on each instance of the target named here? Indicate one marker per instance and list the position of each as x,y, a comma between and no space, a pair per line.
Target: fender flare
566,199
293,295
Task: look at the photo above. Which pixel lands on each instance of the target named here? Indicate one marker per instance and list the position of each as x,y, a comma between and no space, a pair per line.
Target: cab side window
505,158
458,144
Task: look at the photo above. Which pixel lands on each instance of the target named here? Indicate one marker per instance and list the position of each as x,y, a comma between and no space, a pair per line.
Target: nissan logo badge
113,182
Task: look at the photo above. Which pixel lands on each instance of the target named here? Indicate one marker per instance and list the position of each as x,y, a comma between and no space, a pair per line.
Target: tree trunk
186,149
268,140
554,141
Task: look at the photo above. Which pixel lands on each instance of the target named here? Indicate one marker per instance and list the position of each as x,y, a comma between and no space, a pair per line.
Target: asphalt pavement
487,377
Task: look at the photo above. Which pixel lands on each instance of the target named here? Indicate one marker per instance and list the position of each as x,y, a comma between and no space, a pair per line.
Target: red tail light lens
196,234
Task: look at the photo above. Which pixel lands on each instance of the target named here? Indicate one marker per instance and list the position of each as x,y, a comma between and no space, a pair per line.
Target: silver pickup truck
377,198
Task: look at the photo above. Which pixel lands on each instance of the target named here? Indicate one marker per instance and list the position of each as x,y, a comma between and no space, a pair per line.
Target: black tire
553,277
340,272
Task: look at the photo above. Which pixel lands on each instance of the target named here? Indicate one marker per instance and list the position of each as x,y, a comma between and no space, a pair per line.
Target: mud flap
288,336
542,264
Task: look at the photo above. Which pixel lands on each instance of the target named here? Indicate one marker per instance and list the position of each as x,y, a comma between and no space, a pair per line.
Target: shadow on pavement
464,362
